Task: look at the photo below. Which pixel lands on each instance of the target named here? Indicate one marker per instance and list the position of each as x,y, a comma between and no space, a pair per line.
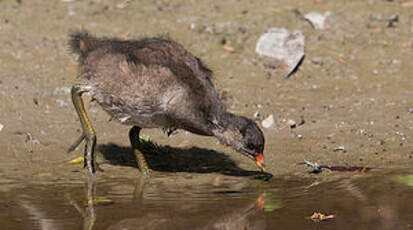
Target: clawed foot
89,160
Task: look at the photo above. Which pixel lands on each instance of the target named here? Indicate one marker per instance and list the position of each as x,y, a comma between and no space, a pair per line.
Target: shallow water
381,200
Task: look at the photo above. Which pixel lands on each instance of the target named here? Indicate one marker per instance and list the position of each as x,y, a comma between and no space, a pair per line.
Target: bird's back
152,82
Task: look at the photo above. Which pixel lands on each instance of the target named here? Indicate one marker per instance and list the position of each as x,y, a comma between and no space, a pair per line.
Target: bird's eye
251,146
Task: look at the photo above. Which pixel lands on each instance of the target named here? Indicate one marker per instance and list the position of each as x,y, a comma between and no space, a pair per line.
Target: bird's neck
224,131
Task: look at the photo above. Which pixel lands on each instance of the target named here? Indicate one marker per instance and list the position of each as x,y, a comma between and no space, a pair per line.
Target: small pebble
62,90
268,122
393,20
395,62
316,60
291,123
317,20
1,127
62,104
257,115
71,12
339,148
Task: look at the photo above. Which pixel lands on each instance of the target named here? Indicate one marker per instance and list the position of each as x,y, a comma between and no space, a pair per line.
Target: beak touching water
259,161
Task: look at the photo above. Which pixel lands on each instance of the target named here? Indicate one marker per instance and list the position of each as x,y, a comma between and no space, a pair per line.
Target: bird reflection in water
249,216
88,214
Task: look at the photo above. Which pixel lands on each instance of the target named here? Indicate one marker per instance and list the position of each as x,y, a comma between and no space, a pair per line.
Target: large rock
284,45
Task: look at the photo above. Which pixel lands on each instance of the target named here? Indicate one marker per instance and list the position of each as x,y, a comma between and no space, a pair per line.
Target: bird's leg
89,221
140,159
89,134
88,214
138,191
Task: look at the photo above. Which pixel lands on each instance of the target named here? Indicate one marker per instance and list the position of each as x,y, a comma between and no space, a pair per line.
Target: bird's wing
188,68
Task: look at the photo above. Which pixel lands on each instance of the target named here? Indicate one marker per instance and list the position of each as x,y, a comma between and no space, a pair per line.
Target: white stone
256,115
283,45
268,122
62,103
291,123
317,20
1,127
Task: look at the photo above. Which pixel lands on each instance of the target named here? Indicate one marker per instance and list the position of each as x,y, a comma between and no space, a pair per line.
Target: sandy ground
354,88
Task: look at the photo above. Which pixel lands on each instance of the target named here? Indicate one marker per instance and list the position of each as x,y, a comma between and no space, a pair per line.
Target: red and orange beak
259,161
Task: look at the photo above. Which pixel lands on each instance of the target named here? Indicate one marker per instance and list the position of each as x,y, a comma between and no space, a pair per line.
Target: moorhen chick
154,83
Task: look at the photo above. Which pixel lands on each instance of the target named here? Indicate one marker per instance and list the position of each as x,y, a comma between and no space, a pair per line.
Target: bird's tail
81,42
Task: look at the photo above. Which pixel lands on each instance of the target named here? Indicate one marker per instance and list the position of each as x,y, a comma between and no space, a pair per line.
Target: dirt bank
354,88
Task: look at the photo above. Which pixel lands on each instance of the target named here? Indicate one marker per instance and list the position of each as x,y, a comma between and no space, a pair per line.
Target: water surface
382,200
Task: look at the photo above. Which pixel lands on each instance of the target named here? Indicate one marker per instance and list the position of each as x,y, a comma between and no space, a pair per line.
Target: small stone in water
317,217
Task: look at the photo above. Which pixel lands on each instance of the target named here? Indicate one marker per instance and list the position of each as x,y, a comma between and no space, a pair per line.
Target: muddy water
375,201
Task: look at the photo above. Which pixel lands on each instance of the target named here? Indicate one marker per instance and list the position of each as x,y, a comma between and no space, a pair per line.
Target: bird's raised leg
89,134
140,159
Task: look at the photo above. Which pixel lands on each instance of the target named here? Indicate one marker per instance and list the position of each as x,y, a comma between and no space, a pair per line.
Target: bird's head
246,137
